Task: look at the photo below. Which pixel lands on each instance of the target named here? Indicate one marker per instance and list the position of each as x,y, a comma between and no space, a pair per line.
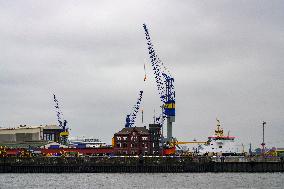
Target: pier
132,165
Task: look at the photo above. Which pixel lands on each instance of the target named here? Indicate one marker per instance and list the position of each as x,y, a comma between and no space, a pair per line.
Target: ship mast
219,131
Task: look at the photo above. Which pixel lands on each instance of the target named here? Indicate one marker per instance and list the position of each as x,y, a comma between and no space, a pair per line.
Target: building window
49,137
124,145
118,145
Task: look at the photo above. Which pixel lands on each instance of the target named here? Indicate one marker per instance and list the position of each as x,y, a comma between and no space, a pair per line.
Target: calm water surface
157,180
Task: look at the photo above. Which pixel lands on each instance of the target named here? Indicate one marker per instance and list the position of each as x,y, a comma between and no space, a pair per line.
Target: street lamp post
263,143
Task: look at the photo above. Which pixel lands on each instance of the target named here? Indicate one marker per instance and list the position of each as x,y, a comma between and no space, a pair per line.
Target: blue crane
62,124
165,85
130,118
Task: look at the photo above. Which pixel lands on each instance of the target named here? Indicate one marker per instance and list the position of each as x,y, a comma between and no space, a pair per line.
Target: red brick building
132,141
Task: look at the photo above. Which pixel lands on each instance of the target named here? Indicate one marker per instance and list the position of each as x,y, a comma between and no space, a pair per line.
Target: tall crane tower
165,85
62,124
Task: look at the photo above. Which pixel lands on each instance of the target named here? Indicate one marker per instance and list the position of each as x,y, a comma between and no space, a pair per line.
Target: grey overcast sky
226,57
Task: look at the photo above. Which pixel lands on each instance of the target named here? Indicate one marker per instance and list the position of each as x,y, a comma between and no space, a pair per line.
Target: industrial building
25,133
155,138
138,140
132,141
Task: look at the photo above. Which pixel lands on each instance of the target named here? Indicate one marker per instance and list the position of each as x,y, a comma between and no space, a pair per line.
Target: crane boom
162,75
63,125
130,118
165,85
57,109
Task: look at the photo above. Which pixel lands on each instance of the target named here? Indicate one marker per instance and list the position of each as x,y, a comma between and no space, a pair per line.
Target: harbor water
143,180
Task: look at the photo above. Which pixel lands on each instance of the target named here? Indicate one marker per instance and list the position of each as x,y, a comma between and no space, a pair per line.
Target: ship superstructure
219,144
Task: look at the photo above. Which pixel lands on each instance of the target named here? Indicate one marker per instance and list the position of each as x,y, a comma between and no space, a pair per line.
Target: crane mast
165,85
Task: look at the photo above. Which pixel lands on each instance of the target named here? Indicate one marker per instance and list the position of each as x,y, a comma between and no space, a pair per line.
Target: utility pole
263,143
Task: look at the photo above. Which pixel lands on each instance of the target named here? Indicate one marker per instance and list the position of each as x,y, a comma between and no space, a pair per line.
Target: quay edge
131,165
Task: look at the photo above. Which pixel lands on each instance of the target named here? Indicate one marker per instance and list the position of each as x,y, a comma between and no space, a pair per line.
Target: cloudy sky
226,58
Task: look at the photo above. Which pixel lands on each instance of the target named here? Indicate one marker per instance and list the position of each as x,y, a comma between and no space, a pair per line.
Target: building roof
128,130
51,127
32,127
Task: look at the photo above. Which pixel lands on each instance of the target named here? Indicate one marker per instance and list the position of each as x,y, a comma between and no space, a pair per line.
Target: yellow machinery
192,142
64,134
175,142
3,152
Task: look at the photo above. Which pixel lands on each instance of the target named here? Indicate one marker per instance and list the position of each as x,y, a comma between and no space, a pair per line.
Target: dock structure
131,165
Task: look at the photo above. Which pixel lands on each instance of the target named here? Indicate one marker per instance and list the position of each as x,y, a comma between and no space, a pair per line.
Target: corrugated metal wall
7,138
20,135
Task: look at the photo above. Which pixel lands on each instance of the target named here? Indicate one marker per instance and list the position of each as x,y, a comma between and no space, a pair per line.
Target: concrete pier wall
130,165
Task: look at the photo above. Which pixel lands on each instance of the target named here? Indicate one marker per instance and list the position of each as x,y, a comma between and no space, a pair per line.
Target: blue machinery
165,85
130,118
63,125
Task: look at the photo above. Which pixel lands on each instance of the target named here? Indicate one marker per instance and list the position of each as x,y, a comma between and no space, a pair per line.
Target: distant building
25,133
155,138
132,141
82,142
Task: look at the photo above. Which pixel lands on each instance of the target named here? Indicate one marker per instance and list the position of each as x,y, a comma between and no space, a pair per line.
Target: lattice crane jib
62,124
164,81
130,118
